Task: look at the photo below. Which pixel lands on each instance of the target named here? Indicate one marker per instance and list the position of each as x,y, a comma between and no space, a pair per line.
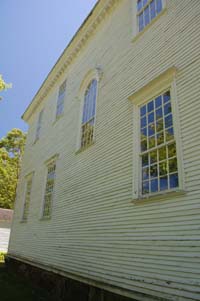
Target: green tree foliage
3,85
11,151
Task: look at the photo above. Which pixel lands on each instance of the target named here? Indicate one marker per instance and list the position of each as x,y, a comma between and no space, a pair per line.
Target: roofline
26,115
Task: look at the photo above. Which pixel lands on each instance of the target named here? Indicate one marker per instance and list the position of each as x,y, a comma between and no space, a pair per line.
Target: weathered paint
96,231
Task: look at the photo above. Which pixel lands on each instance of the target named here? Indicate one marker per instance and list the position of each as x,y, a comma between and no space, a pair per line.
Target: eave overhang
98,13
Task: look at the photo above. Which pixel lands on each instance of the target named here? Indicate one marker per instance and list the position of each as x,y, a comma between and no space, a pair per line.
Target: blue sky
33,35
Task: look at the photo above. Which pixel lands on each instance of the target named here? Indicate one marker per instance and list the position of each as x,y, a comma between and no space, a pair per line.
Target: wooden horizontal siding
96,231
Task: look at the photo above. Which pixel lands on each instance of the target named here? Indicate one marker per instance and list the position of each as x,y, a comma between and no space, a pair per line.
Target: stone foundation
60,287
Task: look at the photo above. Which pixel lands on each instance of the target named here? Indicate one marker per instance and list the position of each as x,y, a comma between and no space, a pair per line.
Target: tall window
48,197
60,101
27,198
147,10
88,117
39,124
158,146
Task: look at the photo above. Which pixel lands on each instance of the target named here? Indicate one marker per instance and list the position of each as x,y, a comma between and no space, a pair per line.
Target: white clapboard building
109,191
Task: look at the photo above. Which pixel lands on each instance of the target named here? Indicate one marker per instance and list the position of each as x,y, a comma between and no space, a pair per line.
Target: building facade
109,192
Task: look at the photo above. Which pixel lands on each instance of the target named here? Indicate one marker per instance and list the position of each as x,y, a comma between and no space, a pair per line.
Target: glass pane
139,5
163,183
173,179
89,102
145,187
162,153
158,101
142,110
87,133
153,156
172,150
166,96
144,2
152,142
159,113
143,122
143,133
145,160
154,185
158,6
146,16
151,117
159,125
173,165
153,9
153,171
168,121
151,129
167,108
150,106
141,22
169,134
163,170
145,173
144,145
160,138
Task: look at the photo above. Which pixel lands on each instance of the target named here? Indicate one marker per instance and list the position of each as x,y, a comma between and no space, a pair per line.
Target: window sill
158,196
139,34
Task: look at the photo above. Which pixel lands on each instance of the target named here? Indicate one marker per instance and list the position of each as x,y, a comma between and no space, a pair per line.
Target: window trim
135,28
92,74
27,178
51,160
163,82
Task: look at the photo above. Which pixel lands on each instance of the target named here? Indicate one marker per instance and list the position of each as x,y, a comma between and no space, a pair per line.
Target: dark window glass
154,185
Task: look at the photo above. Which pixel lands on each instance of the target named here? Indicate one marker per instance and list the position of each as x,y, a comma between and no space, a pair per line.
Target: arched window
88,116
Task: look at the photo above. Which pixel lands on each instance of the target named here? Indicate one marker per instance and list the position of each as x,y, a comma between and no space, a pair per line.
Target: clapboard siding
96,231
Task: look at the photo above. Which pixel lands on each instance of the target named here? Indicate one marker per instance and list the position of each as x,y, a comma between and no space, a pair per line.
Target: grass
14,287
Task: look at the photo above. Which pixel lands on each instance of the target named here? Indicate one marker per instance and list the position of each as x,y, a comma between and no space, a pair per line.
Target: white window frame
58,116
29,177
154,88
50,161
93,74
135,28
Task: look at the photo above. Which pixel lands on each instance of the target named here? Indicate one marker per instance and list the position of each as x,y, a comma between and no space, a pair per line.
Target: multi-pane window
88,117
60,101
27,198
39,124
147,10
159,170
48,197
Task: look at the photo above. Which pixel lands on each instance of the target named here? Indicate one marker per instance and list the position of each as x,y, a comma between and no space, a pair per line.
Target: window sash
60,100
158,173
27,199
147,10
39,124
49,189
88,115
